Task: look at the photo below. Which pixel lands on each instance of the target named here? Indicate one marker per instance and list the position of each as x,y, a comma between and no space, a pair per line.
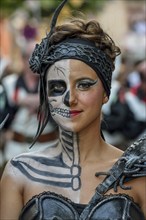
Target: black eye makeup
56,87
85,84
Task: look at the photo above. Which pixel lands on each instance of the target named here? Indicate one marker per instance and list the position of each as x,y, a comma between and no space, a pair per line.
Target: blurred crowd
124,116
19,99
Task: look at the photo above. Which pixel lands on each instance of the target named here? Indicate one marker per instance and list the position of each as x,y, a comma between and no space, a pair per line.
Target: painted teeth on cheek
63,112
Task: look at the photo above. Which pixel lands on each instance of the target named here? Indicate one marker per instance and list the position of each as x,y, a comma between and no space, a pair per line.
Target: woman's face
75,95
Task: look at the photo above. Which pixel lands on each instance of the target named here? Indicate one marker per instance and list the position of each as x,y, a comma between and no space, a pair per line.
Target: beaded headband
45,55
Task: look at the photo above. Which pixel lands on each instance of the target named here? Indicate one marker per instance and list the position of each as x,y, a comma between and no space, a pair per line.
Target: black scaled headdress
41,50
46,54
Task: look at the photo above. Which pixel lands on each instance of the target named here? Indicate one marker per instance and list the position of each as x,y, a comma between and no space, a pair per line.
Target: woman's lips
74,113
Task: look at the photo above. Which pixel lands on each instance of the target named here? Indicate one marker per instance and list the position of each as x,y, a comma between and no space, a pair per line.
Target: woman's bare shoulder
11,192
114,152
11,171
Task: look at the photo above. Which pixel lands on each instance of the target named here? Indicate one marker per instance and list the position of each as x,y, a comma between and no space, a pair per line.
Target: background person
125,120
23,101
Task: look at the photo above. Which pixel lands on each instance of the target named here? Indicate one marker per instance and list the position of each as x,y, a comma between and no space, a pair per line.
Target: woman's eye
85,85
56,88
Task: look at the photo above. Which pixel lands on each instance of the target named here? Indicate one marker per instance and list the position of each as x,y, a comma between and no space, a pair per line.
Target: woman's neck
80,147
70,147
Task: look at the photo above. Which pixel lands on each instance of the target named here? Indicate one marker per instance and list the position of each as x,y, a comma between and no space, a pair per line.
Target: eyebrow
77,80
86,78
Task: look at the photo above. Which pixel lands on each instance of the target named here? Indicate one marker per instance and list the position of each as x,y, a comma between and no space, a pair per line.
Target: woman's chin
66,128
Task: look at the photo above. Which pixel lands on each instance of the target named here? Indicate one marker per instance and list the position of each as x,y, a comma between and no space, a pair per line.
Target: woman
75,62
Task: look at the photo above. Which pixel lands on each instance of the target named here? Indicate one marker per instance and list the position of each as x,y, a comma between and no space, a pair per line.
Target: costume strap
131,165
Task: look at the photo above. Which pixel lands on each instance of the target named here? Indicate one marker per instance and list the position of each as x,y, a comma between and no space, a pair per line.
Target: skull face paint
58,89
72,88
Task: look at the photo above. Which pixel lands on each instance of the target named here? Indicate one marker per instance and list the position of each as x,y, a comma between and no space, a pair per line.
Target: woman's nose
66,99
69,99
